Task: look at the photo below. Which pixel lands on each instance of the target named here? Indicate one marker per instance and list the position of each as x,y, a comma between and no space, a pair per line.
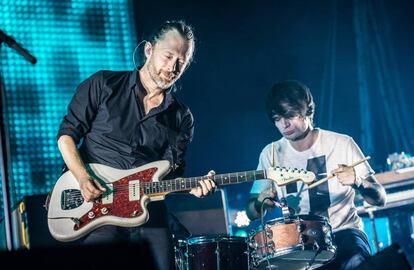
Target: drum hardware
318,250
328,240
270,244
303,238
269,233
253,245
301,227
326,229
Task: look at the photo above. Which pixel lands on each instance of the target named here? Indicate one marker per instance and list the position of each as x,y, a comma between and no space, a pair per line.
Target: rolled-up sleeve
82,109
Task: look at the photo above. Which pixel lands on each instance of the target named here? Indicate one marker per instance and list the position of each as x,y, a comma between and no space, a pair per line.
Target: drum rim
312,217
282,251
301,217
257,262
203,239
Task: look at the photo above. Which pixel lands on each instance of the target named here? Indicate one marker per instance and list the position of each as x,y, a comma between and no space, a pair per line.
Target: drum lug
328,239
315,246
303,238
269,234
253,245
301,227
270,244
326,229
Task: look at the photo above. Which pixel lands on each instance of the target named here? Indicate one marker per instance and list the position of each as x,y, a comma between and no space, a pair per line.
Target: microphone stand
4,146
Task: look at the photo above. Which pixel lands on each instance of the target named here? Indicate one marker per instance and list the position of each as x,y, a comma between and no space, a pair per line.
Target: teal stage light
71,40
382,231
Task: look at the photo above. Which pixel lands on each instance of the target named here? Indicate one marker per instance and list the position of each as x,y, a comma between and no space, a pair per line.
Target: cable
133,54
314,257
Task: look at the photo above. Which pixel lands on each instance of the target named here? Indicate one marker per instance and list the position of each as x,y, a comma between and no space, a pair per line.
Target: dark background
243,48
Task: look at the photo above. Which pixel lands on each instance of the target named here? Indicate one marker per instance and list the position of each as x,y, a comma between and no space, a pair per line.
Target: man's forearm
372,191
71,156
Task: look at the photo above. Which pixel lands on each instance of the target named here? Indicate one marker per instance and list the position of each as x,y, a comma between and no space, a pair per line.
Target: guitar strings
167,185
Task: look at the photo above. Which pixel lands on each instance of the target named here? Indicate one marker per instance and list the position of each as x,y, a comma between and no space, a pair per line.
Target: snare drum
214,252
300,242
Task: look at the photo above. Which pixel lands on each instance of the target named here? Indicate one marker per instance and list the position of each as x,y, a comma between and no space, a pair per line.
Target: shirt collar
133,79
135,83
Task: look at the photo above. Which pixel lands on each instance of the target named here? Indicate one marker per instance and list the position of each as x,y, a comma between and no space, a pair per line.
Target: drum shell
216,252
291,244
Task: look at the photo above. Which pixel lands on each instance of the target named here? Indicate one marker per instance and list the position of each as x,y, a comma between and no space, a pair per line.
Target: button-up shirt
108,120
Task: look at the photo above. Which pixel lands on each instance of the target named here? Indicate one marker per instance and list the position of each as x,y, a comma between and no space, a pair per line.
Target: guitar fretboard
182,184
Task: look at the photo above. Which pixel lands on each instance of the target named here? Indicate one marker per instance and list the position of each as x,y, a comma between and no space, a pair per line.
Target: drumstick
332,175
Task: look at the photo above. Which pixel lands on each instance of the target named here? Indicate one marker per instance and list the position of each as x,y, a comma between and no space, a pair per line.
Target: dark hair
288,99
185,30
182,27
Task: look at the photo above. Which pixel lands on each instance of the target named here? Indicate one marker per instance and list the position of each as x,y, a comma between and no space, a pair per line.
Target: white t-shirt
329,150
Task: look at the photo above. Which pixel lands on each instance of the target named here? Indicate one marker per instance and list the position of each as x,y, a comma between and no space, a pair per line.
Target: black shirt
106,113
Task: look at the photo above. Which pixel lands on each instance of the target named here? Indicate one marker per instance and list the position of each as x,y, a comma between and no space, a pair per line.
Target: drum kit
293,243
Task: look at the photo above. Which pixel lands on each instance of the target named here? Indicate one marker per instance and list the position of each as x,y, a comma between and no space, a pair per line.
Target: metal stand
4,147
4,169
374,230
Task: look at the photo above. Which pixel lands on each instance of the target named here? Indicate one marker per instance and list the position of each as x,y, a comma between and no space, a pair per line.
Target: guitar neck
183,184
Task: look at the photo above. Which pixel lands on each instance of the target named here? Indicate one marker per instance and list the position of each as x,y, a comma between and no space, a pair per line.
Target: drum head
200,240
214,239
313,218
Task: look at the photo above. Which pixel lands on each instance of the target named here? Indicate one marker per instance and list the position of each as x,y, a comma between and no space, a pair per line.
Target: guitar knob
91,215
104,211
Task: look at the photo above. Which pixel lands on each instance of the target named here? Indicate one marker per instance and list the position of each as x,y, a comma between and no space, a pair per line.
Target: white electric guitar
128,192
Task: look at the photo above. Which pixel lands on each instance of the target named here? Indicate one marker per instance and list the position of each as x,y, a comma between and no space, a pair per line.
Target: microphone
275,202
19,49
285,206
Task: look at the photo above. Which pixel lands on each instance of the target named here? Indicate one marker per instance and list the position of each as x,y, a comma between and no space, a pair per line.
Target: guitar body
123,204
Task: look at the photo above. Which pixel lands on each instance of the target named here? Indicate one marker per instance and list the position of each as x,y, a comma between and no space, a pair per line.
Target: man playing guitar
127,119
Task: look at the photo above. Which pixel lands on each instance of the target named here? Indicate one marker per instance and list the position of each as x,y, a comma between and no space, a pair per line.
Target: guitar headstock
283,176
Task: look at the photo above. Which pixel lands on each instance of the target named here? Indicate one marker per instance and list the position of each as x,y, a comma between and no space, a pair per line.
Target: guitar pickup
134,187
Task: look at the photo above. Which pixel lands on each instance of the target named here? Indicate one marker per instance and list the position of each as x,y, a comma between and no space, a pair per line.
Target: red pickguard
120,206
